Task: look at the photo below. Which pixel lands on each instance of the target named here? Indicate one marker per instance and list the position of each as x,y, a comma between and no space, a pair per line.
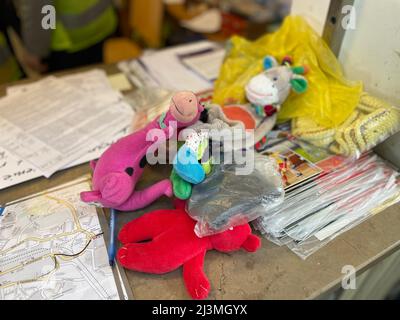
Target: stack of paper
324,207
57,123
205,64
166,68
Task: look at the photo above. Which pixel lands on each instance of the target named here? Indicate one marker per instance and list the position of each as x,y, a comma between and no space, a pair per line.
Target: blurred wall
314,11
371,52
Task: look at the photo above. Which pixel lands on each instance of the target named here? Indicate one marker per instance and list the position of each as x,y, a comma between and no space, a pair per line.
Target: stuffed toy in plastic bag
330,98
225,199
193,161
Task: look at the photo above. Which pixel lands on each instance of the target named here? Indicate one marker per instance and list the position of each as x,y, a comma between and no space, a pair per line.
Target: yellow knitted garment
372,122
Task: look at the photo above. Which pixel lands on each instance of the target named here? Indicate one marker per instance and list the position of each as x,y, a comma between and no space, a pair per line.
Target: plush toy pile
120,167
223,202
169,235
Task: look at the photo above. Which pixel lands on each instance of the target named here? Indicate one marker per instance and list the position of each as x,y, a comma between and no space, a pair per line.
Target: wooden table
271,273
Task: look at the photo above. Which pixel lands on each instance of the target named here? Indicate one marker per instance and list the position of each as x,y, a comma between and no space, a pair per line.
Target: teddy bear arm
148,226
195,279
252,243
153,256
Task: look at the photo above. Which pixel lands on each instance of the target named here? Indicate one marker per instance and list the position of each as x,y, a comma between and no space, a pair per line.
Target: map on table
52,247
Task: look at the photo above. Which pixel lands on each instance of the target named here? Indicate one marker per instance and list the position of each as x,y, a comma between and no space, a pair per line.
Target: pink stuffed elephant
119,168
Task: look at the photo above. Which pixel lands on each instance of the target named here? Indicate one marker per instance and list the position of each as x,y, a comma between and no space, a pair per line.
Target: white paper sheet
95,82
119,82
14,170
140,76
52,248
206,65
53,124
169,72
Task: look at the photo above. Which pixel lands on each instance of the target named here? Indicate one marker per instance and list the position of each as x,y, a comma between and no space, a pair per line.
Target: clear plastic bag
225,199
372,122
313,243
316,213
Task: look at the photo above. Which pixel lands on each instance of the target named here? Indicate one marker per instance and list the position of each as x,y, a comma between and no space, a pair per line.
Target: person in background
9,67
81,29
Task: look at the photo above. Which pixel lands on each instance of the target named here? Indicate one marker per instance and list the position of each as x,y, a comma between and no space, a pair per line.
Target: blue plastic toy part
187,166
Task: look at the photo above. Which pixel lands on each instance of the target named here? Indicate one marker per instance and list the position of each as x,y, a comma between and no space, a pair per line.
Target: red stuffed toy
171,243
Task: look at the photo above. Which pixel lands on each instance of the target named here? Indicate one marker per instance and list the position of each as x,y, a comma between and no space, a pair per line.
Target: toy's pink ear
252,243
92,164
90,196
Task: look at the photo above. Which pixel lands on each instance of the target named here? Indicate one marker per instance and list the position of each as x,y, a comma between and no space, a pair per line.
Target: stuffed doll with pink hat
118,170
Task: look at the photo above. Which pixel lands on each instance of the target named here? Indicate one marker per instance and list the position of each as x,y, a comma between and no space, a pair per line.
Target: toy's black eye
143,162
275,79
190,100
129,171
204,115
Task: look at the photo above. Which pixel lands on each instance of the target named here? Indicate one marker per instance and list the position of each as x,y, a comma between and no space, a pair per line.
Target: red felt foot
198,287
128,258
195,279
252,243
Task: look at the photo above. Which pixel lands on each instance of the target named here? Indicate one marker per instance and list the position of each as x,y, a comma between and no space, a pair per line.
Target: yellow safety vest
9,69
81,24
